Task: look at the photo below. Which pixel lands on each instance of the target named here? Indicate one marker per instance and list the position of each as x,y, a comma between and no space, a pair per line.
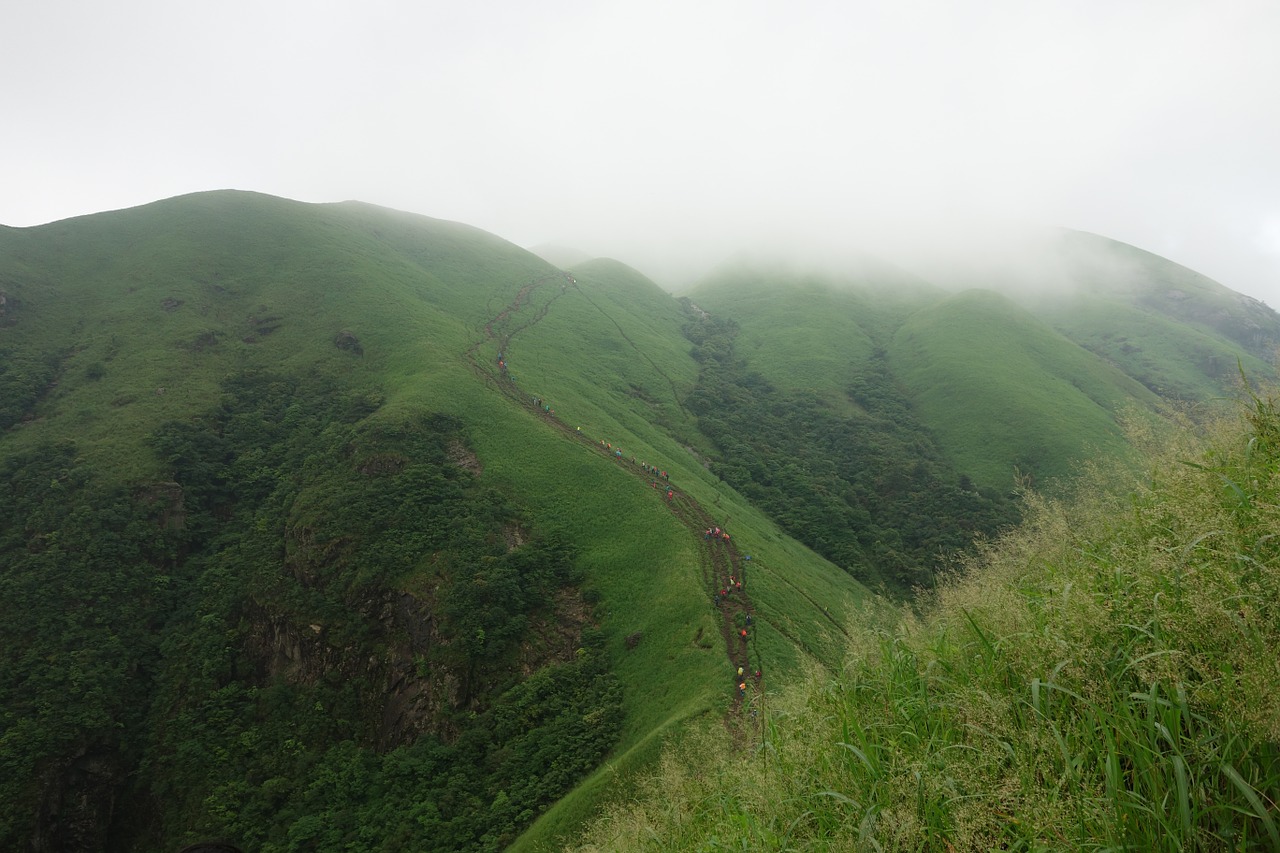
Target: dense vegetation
151,628
1102,677
87,582
871,492
24,377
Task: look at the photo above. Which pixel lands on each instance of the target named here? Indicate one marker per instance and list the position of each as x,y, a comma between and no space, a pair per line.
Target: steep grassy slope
1108,267
154,305
235,326
1168,357
1179,333
1176,332
811,420
813,330
1101,678
1002,390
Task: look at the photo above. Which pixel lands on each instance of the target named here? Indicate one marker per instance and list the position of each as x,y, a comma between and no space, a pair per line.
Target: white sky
669,133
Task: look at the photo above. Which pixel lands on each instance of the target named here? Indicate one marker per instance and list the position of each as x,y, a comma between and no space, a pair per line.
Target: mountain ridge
342,433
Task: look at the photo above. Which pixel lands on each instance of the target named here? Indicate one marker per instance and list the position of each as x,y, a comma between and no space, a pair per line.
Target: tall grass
1103,678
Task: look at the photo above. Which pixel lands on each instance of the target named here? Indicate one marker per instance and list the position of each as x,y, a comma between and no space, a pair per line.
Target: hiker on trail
724,593
757,675
748,618
715,599
669,494
747,557
743,633
739,586
707,535
726,536
742,689
739,672
717,532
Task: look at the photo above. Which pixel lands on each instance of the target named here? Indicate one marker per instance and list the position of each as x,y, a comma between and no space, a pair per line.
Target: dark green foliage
24,376
475,793
140,630
303,514
871,493
84,575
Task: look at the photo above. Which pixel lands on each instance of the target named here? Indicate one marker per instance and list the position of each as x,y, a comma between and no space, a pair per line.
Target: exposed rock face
78,804
417,694
459,454
348,342
166,500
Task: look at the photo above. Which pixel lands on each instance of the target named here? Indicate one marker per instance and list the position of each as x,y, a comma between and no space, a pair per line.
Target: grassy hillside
1002,391
812,330
251,382
1108,267
1169,358
1101,678
1176,331
333,527
1172,330
155,304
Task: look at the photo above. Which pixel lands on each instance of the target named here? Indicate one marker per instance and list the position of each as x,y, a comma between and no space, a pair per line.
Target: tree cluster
870,492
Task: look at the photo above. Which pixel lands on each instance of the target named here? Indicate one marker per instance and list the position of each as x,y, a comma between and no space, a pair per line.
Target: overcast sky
666,133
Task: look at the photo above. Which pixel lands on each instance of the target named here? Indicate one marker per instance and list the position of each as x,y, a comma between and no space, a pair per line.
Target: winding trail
719,560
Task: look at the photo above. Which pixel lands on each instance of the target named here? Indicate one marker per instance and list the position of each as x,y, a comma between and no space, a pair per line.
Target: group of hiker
742,677
502,367
722,595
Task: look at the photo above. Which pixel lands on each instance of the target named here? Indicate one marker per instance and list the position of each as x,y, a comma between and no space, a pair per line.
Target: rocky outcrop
420,686
78,803
347,341
165,500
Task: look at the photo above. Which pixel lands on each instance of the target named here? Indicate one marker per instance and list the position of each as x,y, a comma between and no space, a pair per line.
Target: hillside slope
339,540
1002,391
1141,318
334,527
1178,332
1100,678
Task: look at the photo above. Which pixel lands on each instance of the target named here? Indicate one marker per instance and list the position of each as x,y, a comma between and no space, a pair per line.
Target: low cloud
671,135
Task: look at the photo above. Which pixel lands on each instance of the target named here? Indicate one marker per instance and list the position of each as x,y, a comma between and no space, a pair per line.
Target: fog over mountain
672,135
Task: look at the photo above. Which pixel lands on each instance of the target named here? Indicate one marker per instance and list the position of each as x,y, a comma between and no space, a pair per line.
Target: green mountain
999,384
334,527
1100,678
292,555
1179,333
